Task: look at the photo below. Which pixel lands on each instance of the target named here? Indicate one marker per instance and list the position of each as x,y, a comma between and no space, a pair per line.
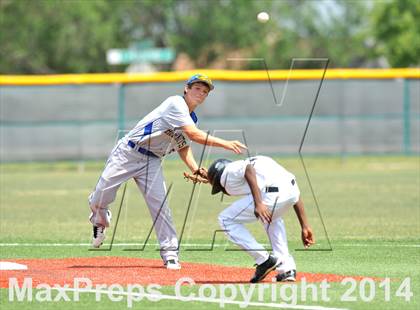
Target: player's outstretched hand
307,237
235,146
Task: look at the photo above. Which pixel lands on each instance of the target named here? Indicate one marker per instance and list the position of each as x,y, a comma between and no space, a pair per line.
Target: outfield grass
370,207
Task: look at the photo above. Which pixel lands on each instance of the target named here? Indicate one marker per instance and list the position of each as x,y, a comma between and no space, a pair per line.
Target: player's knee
223,220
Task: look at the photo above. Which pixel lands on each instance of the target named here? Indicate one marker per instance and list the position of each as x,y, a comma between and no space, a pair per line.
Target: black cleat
265,268
288,276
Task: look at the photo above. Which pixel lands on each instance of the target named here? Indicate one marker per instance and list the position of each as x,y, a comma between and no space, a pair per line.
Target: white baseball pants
123,164
233,218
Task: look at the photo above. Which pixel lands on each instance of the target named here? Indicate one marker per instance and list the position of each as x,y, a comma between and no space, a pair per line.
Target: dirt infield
123,270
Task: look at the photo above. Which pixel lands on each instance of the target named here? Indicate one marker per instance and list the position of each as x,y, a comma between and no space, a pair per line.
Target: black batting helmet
215,172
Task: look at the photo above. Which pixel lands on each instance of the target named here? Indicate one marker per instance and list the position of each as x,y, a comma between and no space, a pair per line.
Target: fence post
406,117
121,110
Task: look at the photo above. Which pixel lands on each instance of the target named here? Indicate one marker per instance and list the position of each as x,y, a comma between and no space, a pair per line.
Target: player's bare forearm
300,213
201,137
261,210
251,178
307,235
188,158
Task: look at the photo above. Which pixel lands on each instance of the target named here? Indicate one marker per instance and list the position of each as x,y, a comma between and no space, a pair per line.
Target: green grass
370,207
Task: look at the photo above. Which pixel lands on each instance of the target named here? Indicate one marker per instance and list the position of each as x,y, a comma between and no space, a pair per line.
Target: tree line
72,36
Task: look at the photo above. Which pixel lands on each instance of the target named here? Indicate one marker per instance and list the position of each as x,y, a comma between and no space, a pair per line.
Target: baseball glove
199,176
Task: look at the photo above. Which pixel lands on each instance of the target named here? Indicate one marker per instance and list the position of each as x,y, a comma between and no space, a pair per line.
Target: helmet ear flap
214,174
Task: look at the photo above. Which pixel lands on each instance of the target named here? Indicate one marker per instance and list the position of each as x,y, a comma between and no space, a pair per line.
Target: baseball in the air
263,17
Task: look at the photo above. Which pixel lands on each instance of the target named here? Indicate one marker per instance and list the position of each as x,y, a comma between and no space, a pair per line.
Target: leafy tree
48,36
315,29
64,36
212,31
396,28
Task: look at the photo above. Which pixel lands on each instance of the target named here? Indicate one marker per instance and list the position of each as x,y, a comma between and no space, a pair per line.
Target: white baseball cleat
288,276
99,231
98,236
173,264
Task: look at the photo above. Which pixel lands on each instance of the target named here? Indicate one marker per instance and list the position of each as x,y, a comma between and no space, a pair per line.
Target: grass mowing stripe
158,297
382,245
89,244
197,244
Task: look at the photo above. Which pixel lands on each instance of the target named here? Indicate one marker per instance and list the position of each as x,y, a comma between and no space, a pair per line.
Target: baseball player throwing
269,190
138,155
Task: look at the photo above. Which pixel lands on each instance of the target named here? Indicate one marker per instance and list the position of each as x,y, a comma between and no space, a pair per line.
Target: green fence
352,116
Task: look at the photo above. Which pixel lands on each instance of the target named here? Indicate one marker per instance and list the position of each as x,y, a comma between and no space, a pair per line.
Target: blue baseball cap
200,78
